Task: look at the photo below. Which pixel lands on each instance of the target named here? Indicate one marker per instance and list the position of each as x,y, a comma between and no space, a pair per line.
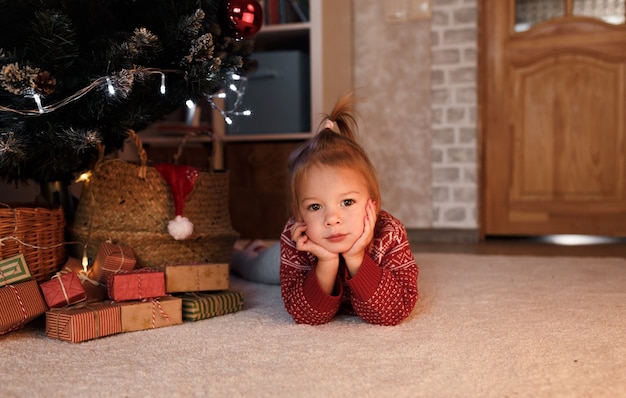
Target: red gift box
63,289
20,303
136,285
111,259
83,322
94,290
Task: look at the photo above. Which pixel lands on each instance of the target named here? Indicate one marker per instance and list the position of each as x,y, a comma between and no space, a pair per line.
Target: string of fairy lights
117,85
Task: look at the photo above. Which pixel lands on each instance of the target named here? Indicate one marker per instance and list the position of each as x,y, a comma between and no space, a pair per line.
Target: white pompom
180,228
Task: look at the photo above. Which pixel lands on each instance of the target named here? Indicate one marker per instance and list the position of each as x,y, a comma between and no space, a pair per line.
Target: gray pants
262,267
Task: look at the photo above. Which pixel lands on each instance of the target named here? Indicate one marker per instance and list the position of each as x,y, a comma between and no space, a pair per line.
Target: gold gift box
150,314
196,277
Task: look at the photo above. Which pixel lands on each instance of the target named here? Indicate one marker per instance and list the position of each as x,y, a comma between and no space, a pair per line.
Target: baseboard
418,235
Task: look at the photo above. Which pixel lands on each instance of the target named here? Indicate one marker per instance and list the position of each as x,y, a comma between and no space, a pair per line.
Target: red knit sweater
383,291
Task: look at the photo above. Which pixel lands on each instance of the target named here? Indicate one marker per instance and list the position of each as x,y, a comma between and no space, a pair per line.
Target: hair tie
329,124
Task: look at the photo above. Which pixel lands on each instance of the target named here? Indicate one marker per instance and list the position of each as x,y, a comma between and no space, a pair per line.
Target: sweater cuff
317,298
366,280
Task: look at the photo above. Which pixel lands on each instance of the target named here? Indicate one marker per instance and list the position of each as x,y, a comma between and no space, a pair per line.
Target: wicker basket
131,204
36,232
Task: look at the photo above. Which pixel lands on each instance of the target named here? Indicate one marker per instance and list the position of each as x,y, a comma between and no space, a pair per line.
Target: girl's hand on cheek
304,244
354,256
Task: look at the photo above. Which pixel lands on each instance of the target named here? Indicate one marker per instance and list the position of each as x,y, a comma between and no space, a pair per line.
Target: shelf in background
172,135
283,36
266,137
284,27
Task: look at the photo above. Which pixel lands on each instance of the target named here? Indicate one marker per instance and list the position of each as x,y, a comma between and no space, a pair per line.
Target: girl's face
332,204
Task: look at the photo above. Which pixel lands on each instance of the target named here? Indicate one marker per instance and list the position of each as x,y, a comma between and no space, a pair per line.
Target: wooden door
553,106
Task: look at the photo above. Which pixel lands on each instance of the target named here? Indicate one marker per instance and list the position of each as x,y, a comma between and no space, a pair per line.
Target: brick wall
454,113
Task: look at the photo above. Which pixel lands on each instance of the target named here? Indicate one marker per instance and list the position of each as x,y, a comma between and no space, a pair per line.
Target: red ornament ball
244,18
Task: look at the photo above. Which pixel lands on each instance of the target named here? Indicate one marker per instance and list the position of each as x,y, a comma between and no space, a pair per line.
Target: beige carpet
484,326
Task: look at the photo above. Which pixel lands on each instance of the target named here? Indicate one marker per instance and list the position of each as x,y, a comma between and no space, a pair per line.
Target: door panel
553,126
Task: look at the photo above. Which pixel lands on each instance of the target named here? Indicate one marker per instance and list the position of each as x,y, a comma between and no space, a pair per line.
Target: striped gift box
19,304
84,321
197,306
111,259
13,270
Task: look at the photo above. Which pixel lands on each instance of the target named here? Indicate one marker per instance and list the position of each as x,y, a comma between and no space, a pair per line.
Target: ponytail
342,119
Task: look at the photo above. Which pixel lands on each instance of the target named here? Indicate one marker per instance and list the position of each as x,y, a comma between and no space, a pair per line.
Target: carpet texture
484,326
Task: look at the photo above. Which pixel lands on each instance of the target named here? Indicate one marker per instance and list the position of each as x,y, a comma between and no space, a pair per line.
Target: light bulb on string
84,177
37,98
85,260
191,111
163,83
110,87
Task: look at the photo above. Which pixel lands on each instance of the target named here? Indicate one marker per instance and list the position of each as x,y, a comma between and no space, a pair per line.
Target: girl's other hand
354,256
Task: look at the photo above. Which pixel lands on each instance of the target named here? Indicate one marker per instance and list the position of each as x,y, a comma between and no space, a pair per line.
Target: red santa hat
181,180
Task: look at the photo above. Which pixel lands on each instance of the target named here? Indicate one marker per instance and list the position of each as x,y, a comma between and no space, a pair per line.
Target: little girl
339,252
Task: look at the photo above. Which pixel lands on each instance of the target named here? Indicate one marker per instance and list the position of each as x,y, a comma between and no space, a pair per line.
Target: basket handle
143,156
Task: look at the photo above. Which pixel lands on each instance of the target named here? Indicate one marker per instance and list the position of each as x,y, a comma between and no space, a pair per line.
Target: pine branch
68,54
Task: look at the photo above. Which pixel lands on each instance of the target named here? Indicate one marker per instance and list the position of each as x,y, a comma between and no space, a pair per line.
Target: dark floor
558,245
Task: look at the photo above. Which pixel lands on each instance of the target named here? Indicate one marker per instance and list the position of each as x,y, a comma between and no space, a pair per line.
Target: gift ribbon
139,286
122,259
22,307
84,278
58,276
85,305
97,321
157,303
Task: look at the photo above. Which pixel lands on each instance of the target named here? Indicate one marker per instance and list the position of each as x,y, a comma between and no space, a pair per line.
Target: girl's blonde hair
335,146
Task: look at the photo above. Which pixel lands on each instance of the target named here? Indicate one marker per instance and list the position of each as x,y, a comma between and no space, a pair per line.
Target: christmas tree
79,74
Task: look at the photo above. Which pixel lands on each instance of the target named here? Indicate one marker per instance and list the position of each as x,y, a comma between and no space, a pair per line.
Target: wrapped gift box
84,321
196,277
94,290
111,259
136,285
13,270
20,303
150,314
63,289
197,306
